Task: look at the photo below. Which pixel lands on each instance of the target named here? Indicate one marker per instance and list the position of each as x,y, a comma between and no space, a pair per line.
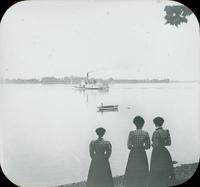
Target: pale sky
119,39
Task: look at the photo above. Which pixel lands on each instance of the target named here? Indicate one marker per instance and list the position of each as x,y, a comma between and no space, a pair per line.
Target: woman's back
100,172
161,167
137,171
161,137
138,139
100,147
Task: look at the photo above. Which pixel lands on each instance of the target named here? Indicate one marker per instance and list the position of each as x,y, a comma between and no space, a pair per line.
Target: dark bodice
100,147
161,138
138,139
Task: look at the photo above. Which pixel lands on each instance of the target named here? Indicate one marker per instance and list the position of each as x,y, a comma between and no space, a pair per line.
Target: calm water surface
46,129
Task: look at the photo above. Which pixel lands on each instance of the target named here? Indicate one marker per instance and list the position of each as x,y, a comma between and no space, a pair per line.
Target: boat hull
113,109
91,88
108,107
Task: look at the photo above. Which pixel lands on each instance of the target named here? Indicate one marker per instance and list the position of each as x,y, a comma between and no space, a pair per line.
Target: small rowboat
108,107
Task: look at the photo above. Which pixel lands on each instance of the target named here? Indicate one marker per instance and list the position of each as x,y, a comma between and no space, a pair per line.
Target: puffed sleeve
168,138
92,149
130,138
147,141
155,139
108,149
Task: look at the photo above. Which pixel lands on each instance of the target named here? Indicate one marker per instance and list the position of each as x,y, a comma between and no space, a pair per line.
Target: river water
46,129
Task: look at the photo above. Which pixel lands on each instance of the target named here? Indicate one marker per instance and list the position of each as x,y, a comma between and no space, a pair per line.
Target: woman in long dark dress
100,151
161,167
137,171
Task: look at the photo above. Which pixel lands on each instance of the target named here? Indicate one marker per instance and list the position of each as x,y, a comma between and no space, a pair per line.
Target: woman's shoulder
92,142
107,142
156,132
131,133
145,132
162,132
165,131
139,132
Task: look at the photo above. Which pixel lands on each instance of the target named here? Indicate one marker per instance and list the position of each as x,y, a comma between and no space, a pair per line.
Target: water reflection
93,92
88,93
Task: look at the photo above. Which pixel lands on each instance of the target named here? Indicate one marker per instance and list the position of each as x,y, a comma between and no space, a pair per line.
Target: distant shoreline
182,173
77,80
57,83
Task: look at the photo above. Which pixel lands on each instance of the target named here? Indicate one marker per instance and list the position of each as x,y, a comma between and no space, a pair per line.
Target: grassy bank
182,174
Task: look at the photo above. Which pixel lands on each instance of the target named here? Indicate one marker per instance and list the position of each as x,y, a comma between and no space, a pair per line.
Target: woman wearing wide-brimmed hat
137,171
161,166
100,151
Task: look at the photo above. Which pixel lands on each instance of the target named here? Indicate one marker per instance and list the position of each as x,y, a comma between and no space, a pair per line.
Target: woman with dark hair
137,171
161,167
100,151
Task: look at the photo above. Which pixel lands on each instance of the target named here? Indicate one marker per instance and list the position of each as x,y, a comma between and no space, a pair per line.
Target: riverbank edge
182,174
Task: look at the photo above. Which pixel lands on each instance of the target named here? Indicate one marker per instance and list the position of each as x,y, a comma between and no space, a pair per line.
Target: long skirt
161,168
100,173
137,171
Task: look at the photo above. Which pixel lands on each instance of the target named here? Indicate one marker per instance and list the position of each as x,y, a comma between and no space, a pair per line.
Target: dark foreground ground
182,174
